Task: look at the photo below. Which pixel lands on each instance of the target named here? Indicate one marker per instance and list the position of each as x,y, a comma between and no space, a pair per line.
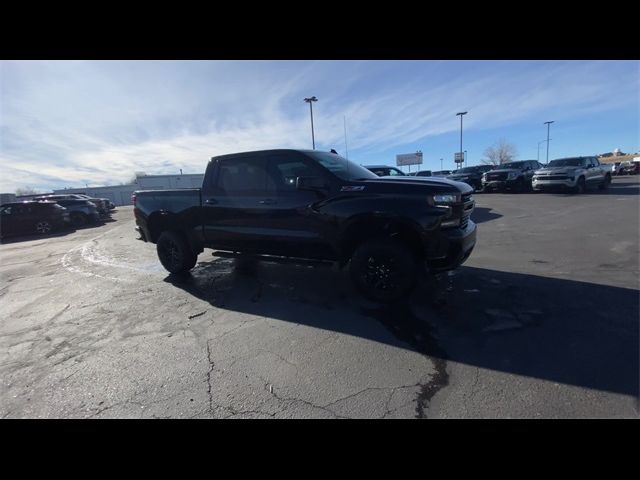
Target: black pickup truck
308,205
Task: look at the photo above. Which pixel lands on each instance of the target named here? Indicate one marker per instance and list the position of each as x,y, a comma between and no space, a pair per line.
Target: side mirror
310,183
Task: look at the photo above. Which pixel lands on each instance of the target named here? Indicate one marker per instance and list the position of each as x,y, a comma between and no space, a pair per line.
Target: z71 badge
352,188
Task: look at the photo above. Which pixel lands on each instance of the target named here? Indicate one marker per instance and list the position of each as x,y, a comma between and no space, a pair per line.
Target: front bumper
546,184
452,248
499,184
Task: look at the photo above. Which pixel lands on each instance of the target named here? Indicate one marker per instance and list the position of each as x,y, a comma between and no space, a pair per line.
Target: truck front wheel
383,270
174,253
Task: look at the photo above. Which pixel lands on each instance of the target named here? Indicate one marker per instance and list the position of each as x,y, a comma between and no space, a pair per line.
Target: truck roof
276,150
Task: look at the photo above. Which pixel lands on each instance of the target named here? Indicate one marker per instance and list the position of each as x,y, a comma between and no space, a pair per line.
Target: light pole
465,158
310,101
548,124
461,115
542,141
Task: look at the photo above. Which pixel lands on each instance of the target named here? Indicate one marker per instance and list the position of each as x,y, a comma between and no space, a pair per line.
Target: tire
605,183
520,185
79,219
580,187
174,253
43,227
383,270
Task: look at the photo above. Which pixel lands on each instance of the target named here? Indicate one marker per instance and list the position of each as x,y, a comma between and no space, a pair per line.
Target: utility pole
310,101
548,124
460,151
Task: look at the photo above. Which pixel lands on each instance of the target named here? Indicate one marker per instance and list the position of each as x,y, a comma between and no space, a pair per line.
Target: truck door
295,228
592,172
237,204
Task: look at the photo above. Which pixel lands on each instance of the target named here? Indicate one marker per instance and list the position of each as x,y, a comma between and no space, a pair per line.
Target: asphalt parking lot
541,321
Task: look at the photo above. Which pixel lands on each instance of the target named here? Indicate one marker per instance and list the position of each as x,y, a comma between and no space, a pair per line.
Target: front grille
464,221
467,197
497,176
553,177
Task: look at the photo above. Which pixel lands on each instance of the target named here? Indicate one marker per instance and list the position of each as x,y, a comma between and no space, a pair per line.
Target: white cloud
71,123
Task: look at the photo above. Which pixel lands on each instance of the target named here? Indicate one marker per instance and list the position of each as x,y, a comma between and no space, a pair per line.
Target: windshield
514,165
566,162
341,167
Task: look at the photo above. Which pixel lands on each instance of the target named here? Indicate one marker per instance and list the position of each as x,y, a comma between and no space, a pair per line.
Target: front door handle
267,201
211,201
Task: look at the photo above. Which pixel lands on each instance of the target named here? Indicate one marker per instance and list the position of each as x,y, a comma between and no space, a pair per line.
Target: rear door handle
267,201
211,201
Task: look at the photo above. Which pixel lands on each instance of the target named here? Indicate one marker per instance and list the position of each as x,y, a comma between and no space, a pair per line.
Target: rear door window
243,177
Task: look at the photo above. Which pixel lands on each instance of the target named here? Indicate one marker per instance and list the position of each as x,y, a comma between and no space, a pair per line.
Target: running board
274,258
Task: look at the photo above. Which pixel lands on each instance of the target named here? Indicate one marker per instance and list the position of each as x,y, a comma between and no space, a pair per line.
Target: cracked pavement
542,321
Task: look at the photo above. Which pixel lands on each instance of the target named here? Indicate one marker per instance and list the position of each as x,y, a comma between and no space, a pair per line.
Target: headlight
512,175
445,198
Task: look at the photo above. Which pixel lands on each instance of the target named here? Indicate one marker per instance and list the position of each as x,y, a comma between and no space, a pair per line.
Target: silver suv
574,173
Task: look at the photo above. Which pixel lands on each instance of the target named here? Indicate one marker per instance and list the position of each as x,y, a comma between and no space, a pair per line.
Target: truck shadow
562,331
483,214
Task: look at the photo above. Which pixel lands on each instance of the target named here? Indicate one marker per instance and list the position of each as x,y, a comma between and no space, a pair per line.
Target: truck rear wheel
383,270
174,253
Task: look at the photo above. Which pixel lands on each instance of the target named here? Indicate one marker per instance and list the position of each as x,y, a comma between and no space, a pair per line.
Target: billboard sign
409,159
459,157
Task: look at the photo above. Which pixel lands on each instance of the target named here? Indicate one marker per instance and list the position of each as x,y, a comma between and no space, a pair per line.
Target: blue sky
71,123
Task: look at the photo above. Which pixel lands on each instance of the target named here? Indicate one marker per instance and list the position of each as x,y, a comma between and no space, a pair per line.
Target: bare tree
27,191
500,152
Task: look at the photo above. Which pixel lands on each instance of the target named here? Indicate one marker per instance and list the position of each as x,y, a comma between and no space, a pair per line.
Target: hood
503,170
554,170
439,183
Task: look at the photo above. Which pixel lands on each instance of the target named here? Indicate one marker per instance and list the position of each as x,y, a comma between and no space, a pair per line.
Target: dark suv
471,175
82,212
513,176
24,218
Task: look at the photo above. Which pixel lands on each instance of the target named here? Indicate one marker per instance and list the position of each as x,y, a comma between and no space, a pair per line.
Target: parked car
385,171
82,212
309,205
100,203
31,217
442,173
471,175
630,168
422,173
512,175
574,173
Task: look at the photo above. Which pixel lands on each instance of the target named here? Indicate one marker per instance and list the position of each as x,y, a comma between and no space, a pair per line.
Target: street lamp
310,101
542,141
548,124
461,115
